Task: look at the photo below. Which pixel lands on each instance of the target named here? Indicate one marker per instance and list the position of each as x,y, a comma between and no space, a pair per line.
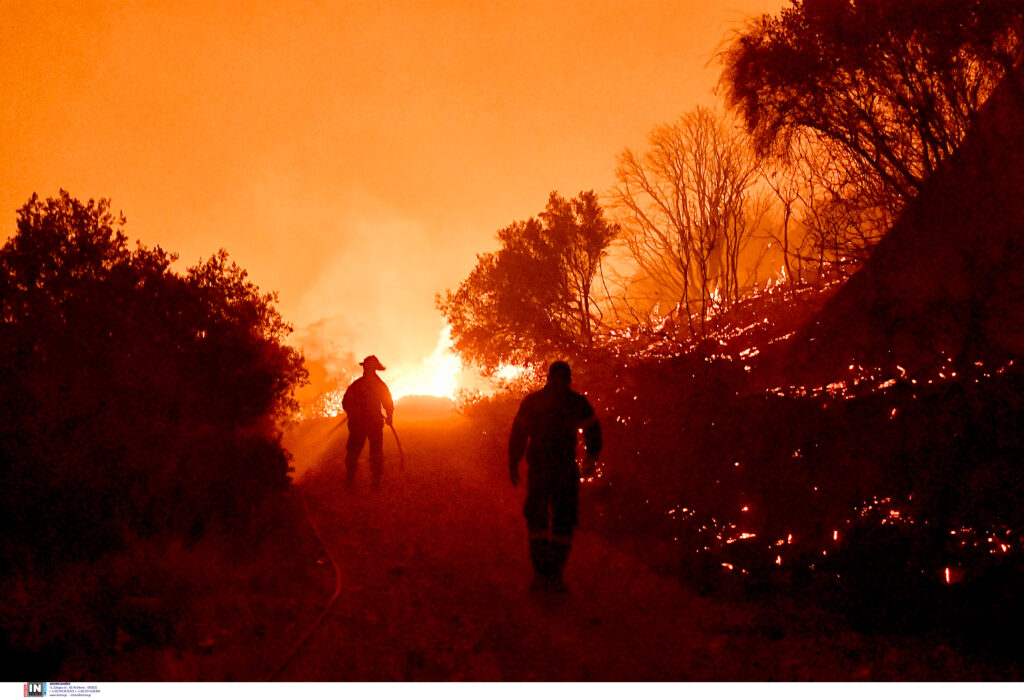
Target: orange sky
352,156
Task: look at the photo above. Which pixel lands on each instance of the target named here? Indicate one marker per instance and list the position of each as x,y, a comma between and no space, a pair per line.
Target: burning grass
890,494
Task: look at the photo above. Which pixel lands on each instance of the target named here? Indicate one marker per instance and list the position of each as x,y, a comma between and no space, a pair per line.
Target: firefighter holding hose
545,429
363,404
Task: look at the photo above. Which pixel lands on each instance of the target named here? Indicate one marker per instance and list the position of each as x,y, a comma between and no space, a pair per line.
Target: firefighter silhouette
545,429
363,404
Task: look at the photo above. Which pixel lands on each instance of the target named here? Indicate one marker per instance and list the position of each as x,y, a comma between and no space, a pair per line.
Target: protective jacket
546,427
364,400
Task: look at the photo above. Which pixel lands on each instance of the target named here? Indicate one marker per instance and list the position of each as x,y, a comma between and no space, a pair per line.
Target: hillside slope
947,282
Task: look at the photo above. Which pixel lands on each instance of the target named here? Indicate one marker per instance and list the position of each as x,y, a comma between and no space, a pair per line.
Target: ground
434,574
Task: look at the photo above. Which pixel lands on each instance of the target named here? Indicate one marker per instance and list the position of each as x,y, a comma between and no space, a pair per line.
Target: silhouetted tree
889,87
689,209
828,225
533,297
132,397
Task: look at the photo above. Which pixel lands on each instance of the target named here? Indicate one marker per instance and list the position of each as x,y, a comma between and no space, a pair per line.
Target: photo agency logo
37,688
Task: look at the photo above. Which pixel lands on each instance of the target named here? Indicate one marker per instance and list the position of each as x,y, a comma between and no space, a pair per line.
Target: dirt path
435,571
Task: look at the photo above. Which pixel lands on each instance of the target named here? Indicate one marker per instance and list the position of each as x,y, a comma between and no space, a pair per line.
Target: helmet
372,362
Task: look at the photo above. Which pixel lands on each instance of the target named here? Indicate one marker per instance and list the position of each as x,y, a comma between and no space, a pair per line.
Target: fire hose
401,453
290,655
327,607
398,442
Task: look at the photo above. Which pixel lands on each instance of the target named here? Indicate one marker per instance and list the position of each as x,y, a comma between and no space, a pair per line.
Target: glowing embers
740,329
593,477
864,381
886,512
997,541
953,574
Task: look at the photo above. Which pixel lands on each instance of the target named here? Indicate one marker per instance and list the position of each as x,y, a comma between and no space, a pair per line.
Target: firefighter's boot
351,463
558,553
540,556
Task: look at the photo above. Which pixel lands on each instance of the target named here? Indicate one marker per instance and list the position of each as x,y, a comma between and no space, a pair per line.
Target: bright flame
437,375
509,372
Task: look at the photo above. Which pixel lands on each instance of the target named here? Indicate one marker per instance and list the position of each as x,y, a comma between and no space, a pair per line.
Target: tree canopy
889,87
532,299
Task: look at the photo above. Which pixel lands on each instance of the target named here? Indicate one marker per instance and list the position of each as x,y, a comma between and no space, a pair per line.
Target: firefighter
363,402
546,428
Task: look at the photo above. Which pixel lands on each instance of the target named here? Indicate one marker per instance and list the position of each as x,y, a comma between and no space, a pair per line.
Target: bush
133,398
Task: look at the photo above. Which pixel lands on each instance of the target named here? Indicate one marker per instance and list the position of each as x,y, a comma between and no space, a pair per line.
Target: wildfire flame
437,375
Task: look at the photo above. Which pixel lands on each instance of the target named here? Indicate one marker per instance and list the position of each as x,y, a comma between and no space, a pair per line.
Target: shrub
133,398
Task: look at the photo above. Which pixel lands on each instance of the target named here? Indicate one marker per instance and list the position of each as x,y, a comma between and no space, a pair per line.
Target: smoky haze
354,157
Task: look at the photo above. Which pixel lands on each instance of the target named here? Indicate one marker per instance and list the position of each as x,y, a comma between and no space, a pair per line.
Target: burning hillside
872,455
944,286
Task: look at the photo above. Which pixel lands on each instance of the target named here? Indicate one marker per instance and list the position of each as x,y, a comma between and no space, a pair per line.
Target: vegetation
689,210
141,405
137,400
890,494
533,298
875,94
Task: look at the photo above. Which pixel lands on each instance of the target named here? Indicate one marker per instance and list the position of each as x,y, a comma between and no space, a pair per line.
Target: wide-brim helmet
373,363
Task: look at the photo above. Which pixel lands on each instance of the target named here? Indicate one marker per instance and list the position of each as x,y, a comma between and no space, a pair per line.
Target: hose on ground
290,655
330,602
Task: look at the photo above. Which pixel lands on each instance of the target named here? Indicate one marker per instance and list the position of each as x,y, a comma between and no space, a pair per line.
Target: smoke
374,292
364,281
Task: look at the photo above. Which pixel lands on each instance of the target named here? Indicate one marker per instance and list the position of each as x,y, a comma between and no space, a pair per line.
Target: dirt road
434,575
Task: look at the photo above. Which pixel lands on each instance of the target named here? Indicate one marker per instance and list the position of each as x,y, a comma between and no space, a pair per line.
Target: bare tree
689,208
830,221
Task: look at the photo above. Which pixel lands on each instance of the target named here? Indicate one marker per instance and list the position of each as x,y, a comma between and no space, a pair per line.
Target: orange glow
509,372
437,375
352,156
